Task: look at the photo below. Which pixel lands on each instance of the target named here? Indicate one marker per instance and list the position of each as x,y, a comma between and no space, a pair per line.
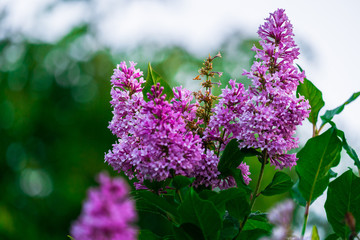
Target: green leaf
206,194
201,213
332,174
315,160
259,216
158,202
181,181
256,226
253,234
237,175
280,183
157,223
315,234
230,228
148,235
152,79
329,114
296,195
230,200
333,236
188,231
222,197
232,157
253,224
156,185
314,95
343,197
70,237
349,150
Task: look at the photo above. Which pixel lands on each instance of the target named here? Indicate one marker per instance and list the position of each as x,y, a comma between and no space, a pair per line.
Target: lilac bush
186,152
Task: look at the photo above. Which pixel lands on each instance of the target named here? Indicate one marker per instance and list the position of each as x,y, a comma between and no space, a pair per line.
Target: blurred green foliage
54,112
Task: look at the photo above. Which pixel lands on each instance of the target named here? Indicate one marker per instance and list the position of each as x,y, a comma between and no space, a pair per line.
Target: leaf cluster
320,154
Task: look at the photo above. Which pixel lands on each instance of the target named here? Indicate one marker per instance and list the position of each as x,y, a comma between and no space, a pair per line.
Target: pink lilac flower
226,113
153,136
121,157
128,79
245,172
182,103
265,116
274,110
206,172
165,142
127,99
108,213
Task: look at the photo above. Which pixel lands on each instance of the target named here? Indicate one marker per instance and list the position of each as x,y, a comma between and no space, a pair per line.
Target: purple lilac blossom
274,110
226,113
165,142
265,116
127,99
206,172
245,172
152,136
182,103
108,213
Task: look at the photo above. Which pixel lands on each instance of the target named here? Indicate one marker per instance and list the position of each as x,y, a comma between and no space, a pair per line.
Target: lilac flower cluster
153,137
265,116
127,101
107,214
165,142
159,138
127,98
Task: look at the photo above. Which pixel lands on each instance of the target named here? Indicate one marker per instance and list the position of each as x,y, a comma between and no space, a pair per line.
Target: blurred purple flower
281,216
108,213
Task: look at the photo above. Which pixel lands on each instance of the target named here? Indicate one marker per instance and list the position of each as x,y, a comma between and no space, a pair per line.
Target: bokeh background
56,59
